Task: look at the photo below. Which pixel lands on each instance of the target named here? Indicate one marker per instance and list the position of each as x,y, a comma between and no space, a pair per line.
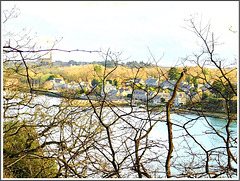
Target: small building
183,86
194,96
161,97
124,92
86,85
58,83
113,95
186,87
168,84
135,81
139,95
152,82
180,98
143,95
107,88
139,81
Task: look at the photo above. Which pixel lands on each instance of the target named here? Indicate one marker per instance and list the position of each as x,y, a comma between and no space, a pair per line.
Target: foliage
188,79
222,89
205,72
115,83
174,73
129,95
98,68
18,165
205,96
96,82
81,91
51,77
151,88
195,81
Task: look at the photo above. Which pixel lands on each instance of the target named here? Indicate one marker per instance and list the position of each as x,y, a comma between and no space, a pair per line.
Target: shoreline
160,107
207,114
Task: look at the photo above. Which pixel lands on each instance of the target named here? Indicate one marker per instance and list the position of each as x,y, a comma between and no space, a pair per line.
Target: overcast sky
128,26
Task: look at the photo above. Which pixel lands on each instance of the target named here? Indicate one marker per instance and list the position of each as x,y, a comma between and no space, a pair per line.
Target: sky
130,27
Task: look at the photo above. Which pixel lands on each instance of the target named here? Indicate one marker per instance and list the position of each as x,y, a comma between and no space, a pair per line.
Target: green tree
195,81
129,96
19,161
151,88
223,90
115,82
95,82
174,73
51,77
205,72
98,68
188,78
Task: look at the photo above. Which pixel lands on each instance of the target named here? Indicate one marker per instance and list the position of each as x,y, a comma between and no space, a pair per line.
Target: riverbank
85,103
207,114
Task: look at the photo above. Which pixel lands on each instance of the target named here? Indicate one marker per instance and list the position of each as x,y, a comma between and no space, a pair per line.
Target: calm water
197,127
184,146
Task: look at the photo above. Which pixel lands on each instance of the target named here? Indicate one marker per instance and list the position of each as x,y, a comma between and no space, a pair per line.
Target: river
186,150
188,144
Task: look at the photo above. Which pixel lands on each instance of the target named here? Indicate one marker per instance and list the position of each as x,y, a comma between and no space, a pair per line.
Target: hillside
123,73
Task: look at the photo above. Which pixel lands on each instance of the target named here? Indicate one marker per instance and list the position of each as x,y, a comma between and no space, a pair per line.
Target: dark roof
139,92
151,81
57,80
113,92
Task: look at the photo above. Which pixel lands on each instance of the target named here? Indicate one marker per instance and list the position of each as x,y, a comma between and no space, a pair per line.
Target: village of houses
185,92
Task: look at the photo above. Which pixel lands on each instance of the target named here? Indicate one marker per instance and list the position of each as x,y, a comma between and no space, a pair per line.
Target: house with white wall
58,83
143,95
162,96
107,88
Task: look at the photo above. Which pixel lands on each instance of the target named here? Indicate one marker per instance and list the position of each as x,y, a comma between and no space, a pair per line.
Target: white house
113,95
143,95
58,83
139,81
186,87
180,98
139,95
183,86
86,85
106,88
161,97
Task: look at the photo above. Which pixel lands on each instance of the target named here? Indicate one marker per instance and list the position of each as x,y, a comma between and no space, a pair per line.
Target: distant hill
86,71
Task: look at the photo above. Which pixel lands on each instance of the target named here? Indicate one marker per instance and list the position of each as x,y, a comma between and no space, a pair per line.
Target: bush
22,164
